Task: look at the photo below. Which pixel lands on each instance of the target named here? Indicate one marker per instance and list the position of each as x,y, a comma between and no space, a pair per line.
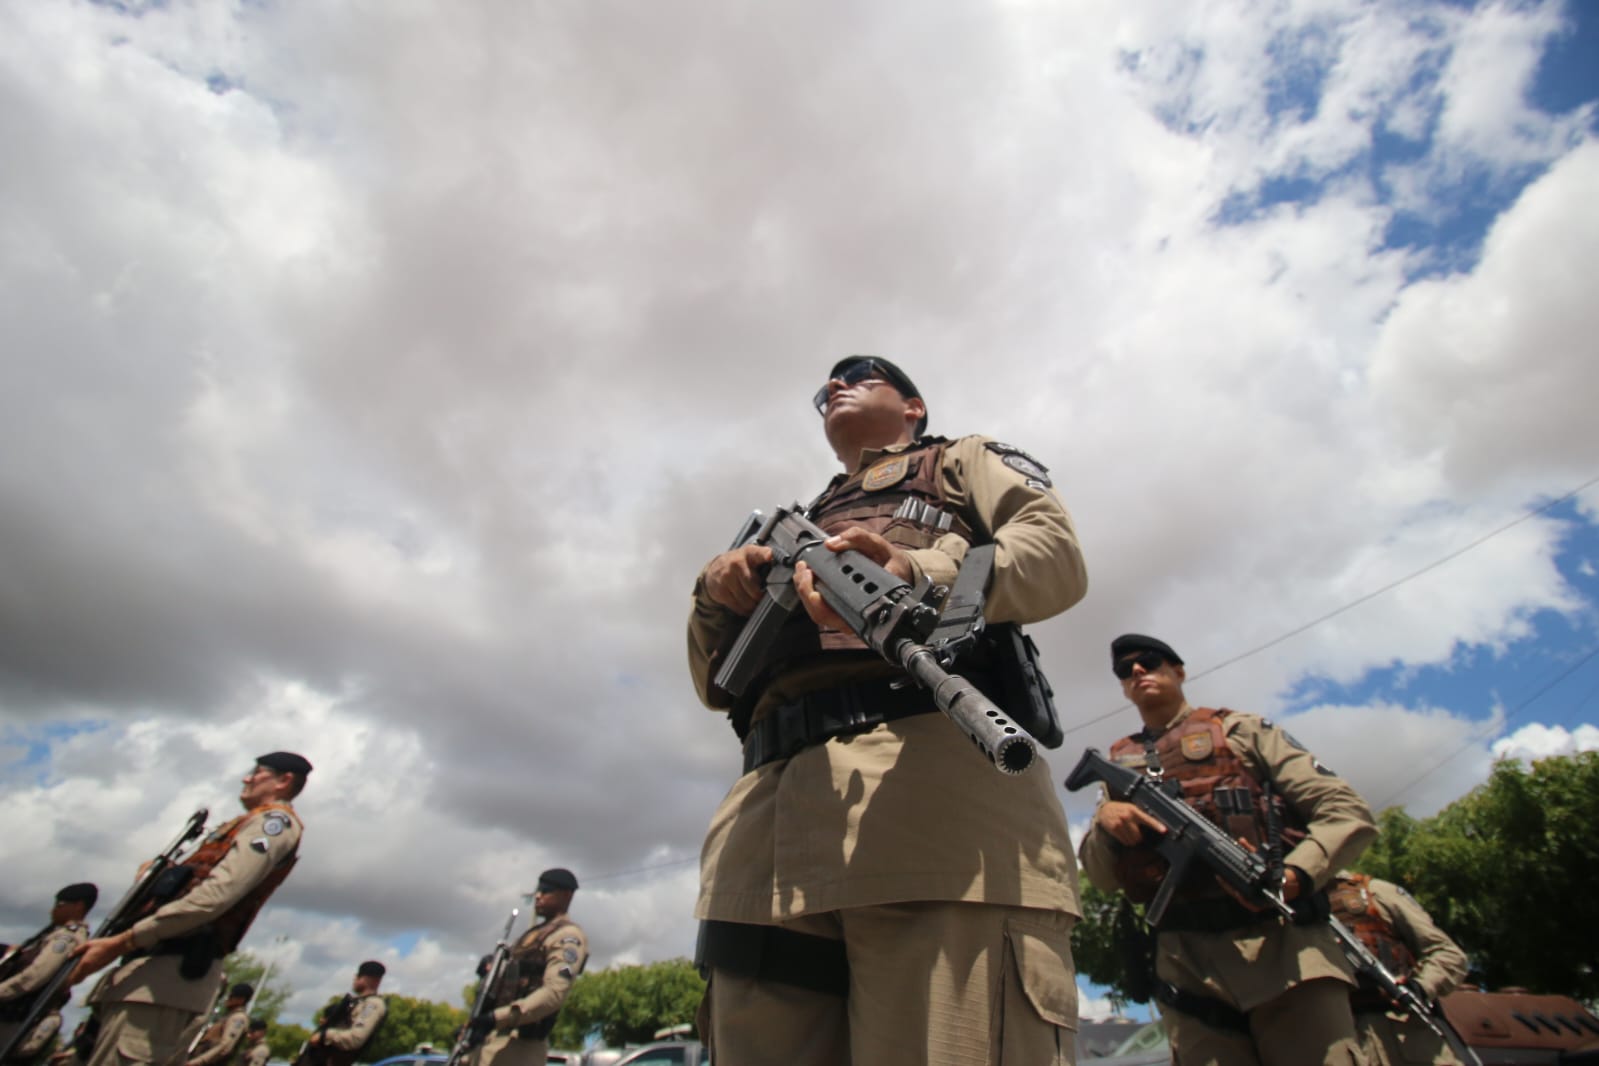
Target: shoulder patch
886,473
569,954
61,946
274,823
1022,463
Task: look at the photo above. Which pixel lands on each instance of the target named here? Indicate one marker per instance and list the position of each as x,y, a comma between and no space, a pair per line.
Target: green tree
1507,870
627,1004
1097,947
271,990
285,1040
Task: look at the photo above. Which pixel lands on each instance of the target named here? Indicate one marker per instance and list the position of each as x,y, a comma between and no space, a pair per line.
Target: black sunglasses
850,376
1149,660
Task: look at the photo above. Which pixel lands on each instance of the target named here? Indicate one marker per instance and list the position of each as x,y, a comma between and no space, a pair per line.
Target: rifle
124,914
893,618
335,1016
488,991
1190,837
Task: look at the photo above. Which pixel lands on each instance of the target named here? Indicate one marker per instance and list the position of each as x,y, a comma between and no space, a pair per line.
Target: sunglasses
1149,660
849,377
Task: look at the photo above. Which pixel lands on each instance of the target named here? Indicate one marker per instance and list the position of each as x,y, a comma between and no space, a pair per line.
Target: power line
1313,623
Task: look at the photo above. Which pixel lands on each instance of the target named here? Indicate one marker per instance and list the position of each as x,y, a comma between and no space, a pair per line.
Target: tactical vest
340,1016
14,1010
531,955
1352,904
900,497
227,929
1194,756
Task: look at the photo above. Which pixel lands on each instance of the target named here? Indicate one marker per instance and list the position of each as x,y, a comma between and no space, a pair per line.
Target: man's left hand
874,547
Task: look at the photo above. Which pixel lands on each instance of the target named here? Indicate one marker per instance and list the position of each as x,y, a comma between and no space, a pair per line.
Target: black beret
900,380
285,762
241,991
257,1024
83,892
371,968
558,879
1131,642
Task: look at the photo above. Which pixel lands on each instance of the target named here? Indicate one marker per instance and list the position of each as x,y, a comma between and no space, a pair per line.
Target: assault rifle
335,1016
487,992
149,885
893,618
1191,837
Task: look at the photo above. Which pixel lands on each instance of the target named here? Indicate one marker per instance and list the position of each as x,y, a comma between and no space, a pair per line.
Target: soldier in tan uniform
28,967
548,958
223,1036
872,889
350,1025
1402,935
172,956
255,1051
1238,987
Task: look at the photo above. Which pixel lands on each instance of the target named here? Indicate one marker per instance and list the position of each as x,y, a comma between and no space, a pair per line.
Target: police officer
30,965
1237,985
873,889
351,1024
1402,935
172,955
548,958
222,1037
255,1051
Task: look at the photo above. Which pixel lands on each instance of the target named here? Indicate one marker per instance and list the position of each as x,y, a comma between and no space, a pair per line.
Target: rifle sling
817,717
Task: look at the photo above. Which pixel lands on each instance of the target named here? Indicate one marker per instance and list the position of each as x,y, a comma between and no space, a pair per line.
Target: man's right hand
1126,822
734,579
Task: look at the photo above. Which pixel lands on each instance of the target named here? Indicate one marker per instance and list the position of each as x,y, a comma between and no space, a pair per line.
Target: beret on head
558,880
371,968
83,892
285,762
241,991
1128,643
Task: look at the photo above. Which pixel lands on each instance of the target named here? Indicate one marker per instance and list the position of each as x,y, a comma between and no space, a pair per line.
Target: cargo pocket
1038,1000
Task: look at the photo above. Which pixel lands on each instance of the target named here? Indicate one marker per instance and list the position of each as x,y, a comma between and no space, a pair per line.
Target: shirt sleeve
368,1013
1038,562
43,1031
1338,823
52,956
711,628
1440,964
567,954
256,851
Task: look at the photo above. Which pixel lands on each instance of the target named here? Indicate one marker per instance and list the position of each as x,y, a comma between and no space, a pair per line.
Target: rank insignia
259,844
1197,747
886,472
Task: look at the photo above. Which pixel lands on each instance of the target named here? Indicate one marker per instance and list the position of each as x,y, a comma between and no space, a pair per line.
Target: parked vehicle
414,1058
667,1053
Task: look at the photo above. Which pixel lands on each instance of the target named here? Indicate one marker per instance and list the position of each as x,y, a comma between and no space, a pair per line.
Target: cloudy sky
379,376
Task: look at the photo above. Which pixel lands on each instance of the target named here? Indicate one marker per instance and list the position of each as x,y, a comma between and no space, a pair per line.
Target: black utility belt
817,717
1210,915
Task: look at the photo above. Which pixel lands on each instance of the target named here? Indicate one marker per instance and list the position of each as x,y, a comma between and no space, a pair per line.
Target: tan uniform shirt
365,1014
566,953
43,1031
1250,966
908,811
221,1040
265,840
1440,964
255,1054
58,944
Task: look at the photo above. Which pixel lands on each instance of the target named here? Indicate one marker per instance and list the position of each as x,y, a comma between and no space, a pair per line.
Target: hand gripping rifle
125,913
488,991
1190,837
893,618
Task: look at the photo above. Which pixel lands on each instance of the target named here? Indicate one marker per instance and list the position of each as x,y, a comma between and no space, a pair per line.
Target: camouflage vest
1194,755
228,928
1352,904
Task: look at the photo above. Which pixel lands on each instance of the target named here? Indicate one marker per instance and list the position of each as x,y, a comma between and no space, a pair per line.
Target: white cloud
377,385
1538,741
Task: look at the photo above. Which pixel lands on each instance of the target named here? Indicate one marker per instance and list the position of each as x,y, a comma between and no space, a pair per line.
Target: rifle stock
122,915
893,619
